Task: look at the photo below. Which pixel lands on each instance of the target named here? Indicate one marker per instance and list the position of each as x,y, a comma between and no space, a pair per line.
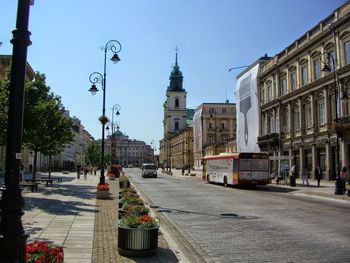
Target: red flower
104,186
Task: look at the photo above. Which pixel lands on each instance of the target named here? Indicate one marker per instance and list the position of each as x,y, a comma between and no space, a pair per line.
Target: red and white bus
237,168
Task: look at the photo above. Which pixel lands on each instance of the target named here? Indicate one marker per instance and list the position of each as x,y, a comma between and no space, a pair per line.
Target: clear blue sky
212,36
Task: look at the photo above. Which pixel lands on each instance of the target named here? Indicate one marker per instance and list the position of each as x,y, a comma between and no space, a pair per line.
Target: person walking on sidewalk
304,176
343,178
318,175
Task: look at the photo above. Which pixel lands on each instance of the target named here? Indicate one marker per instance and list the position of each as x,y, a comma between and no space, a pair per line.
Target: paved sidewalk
69,215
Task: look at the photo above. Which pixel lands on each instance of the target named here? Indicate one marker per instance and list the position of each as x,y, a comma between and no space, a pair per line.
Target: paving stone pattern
105,235
269,226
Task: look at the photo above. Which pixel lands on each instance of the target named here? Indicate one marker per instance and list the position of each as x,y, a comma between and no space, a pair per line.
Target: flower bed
102,191
135,210
41,252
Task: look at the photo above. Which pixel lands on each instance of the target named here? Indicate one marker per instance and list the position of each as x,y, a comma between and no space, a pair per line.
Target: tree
93,153
58,130
4,103
46,129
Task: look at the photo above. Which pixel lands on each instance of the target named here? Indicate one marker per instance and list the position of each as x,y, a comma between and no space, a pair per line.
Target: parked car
149,170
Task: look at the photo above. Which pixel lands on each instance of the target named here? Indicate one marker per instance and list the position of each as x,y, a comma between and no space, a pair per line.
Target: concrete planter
102,194
137,242
112,177
124,184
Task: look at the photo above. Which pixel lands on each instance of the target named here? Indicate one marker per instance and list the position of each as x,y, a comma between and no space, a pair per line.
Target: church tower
175,105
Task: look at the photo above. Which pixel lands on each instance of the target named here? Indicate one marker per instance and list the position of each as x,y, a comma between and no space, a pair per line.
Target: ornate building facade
304,119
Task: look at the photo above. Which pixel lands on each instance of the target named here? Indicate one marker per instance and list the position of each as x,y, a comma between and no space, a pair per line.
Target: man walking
318,175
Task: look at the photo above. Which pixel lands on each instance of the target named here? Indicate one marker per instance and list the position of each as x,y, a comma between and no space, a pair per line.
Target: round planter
112,177
102,194
137,242
124,184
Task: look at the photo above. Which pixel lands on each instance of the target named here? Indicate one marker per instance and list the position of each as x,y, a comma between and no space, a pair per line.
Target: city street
248,225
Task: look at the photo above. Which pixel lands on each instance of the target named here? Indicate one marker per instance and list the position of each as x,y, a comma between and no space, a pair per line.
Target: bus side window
235,165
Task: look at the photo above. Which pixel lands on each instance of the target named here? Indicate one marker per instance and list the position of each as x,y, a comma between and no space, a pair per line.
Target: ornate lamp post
117,109
115,47
328,68
12,236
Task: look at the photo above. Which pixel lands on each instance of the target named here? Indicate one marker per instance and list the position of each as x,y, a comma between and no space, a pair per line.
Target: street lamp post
115,47
12,236
116,108
327,68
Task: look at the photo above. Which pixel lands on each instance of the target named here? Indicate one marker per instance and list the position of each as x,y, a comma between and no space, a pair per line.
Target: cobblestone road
259,226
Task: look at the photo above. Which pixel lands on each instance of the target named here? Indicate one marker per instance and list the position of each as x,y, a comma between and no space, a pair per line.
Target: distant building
214,126
128,151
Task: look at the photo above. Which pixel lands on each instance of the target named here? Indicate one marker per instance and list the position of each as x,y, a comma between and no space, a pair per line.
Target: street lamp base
13,249
338,187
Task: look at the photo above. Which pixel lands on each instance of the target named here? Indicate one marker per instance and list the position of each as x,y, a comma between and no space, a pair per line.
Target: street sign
286,167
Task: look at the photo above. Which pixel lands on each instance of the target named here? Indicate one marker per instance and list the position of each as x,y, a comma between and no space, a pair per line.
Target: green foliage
4,101
46,129
93,153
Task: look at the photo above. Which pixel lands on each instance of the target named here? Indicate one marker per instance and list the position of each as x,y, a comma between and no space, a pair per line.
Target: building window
176,103
283,86
272,125
223,126
269,92
331,58
286,121
304,75
317,68
275,90
210,126
347,52
308,116
263,96
223,110
293,80
320,112
296,118
176,126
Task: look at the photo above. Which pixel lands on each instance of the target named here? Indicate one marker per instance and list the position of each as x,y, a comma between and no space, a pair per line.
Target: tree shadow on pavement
81,191
57,207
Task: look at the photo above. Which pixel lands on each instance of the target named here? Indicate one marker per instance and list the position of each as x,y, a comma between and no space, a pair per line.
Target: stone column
328,161
314,160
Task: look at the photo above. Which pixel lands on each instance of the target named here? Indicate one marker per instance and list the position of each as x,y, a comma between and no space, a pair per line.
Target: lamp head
93,89
107,128
117,113
115,58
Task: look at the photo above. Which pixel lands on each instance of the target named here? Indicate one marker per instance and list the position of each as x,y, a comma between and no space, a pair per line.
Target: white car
149,170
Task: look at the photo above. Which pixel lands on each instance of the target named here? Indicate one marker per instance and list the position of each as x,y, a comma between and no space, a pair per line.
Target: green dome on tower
176,78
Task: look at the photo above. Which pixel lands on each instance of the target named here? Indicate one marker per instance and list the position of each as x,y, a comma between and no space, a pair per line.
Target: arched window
176,103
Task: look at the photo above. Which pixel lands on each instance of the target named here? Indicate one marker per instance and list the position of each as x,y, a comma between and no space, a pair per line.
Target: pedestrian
183,170
343,178
78,171
95,169
305,176
318,175
86,170
293,175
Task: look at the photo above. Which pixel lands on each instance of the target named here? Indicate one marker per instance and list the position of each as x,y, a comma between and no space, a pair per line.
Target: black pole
12,236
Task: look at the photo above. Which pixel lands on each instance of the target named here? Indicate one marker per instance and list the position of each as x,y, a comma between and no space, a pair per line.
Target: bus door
235,171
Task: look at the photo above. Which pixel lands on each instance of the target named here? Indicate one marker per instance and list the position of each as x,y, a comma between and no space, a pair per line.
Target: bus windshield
253,164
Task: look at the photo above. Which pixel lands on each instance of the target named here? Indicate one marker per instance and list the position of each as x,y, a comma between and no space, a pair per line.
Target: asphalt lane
249,225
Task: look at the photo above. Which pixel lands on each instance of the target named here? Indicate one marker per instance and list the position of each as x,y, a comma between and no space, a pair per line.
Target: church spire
176,77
